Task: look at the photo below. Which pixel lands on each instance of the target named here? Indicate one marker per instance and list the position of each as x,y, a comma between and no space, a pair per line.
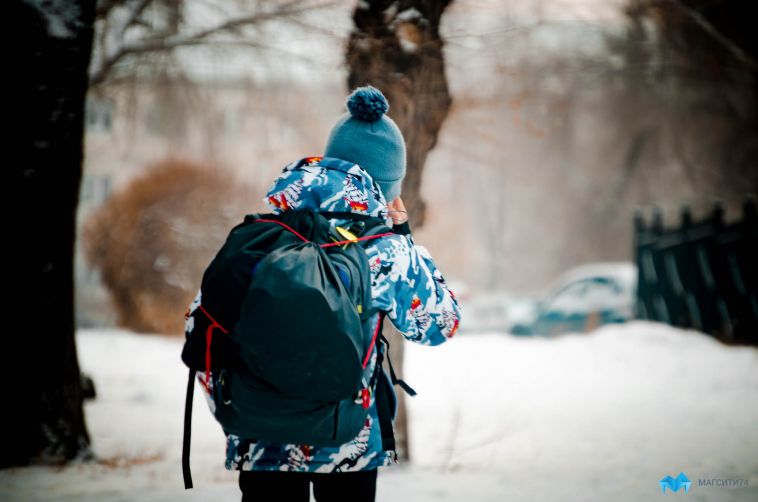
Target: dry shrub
153,240
123,461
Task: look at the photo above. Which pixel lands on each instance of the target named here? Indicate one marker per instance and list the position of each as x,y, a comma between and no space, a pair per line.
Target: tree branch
104,7
135,14
719,37
109,58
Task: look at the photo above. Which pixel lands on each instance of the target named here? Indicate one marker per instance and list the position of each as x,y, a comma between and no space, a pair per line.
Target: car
495,312
584,298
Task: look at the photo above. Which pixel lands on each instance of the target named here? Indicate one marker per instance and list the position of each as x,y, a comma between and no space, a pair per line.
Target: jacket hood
326,184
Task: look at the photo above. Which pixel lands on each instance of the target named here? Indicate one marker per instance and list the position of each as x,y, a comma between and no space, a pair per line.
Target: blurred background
582,172
564,117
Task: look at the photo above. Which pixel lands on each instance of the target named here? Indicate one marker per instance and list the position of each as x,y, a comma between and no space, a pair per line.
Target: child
362,168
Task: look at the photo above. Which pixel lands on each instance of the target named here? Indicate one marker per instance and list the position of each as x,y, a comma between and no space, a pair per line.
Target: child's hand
397,211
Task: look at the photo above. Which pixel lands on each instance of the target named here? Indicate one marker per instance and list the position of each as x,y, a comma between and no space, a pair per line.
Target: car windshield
592,294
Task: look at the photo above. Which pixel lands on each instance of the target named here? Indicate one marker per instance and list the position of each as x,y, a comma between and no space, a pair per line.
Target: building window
95,189
99,114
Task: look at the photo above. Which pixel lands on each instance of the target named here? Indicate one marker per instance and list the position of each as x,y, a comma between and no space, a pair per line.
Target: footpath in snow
600,416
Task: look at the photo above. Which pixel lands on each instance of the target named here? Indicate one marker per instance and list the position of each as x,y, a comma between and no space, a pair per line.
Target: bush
153,240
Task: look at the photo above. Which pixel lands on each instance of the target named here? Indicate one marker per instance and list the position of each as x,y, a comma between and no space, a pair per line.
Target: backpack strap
368,220
381,393
188,431
375,228
382,398
395,380
383,409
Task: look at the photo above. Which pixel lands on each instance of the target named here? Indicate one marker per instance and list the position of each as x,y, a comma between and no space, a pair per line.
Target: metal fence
702,275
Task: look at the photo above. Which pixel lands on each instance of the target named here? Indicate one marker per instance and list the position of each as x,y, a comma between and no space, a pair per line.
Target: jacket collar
326,184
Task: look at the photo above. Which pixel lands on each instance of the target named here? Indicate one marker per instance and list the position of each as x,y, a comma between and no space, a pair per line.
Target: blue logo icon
674,484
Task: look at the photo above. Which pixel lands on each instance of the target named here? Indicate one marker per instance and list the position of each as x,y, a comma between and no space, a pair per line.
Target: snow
600,416
606,414
407,45
409,15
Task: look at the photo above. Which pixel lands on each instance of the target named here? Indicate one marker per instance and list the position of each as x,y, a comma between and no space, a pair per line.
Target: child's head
367,136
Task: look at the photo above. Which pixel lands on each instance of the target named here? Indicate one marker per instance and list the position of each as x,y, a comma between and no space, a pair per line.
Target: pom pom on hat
367,104
370,138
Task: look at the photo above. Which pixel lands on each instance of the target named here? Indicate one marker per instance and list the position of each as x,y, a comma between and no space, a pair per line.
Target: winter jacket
405,284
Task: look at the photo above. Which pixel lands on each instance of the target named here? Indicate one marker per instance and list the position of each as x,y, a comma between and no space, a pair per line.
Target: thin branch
158,44
257,18
711,30
104,7
135,14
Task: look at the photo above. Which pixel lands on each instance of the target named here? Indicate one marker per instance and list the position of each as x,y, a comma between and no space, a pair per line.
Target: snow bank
602,416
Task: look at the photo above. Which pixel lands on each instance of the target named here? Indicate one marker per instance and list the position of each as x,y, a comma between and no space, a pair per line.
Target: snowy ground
603,416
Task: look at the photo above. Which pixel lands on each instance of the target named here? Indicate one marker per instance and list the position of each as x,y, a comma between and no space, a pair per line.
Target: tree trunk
44,420
396,47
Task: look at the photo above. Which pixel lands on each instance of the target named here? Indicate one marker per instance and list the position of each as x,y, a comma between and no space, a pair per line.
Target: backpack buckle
366,397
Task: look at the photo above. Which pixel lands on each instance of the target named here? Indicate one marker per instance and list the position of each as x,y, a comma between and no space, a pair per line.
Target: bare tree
396,47
43,421
701,63
139,44
135,34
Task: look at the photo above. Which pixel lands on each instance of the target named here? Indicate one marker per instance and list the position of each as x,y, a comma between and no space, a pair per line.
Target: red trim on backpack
282,224
208,339
373,339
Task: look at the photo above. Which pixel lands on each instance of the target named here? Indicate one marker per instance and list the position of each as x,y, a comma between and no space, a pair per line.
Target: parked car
496,312
584,298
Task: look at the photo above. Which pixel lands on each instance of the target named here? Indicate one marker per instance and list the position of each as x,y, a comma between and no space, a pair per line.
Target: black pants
269,486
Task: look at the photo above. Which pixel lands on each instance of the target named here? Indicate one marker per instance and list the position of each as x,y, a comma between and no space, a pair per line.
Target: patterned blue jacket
404,283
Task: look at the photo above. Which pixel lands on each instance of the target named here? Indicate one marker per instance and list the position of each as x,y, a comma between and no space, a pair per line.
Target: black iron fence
702,275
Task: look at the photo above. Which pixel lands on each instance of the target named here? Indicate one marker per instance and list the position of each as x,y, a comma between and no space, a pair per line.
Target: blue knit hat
368,137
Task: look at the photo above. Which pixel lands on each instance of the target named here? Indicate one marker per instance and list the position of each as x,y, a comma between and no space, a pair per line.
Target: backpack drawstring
338,243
